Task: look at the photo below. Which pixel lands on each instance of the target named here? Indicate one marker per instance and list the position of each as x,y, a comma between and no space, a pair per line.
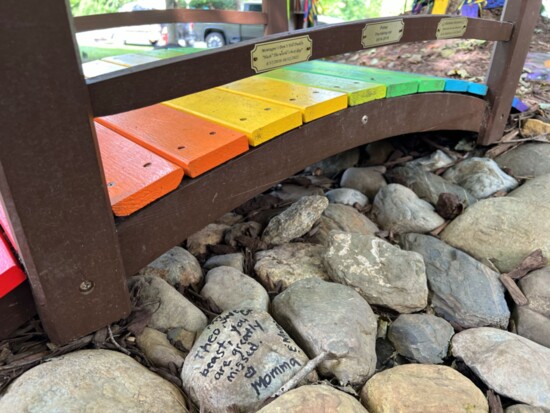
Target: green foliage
345,9
87,7
213,4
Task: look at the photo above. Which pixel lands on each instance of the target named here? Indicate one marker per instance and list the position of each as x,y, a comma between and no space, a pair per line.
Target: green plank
396,85
425,83
358,91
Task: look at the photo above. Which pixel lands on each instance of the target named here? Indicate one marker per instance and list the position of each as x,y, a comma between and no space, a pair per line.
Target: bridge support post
51,179
506,67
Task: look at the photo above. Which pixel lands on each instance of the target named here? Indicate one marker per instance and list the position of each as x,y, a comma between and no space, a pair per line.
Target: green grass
89,53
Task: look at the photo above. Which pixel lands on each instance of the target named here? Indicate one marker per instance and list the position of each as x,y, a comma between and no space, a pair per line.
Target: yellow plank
129,60
440,7
358,91
99,67
313,102
257,119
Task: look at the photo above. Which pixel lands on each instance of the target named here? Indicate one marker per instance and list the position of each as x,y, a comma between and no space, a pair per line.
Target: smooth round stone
422,388
235,260
535,190
433,162
314,399
528,160
178,267
91,381
158,350
212,234
347,196
336,163
366,180
525,408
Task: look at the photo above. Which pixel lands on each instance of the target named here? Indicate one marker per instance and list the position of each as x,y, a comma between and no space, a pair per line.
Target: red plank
135,176
195,144
11,274
5,224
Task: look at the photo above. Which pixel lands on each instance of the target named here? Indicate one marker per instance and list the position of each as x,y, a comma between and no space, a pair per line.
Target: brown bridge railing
52,186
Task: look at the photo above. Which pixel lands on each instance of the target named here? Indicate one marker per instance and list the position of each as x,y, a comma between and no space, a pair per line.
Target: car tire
214,39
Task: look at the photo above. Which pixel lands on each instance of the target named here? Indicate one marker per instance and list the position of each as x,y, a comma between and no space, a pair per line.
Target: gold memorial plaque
378,34
450,27
279,53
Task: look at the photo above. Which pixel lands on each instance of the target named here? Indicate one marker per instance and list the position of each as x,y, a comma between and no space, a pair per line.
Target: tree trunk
172,29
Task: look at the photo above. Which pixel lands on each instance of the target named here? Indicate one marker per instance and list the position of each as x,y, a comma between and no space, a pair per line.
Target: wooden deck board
358,92
313,102
195,144
260,121
135,176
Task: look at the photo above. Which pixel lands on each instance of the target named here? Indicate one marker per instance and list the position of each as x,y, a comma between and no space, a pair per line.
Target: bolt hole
242,119
364,119
181,147
292,99
267,108
212,133
86,286
111,184
147,165
315,91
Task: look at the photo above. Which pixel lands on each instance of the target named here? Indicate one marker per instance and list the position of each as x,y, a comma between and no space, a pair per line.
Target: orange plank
135,176
195,144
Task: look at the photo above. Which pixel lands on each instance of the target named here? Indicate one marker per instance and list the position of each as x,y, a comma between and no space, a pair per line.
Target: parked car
220,34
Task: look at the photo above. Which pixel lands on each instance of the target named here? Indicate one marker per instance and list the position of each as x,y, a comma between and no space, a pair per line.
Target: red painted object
11,274
4,224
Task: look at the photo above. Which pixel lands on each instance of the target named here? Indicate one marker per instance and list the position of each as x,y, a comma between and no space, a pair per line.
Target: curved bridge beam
150,232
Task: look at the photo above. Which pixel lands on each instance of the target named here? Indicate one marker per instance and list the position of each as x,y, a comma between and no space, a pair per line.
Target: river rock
383,274
295,221
433,162
230,289
91,381
428,186
347,196
170,309
481,176
322,315
212,234
378,152
464,291
248,229
235,260
335,164
229,218
178,267
181,339
525,408
533,319
342,218
527,160
421,337
312,399
509,364
422,388
292,192
535,127
282,266
366,180
505,230
241,359
398,209
535,190
158,350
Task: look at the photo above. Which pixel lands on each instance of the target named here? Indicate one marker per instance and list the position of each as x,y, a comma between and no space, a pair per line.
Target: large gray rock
435,161
525,408
334,164
294,221
282,266
95,381
235,260
366,180
504,230
533,319
422,388
292,192
212,234
509,364
481,176
464,291
170,309
530,159
241,359
428,186
535,190
421,337
342,218
321,315
313,399
383,274
398,209
178,267
230,289
347,196
158,350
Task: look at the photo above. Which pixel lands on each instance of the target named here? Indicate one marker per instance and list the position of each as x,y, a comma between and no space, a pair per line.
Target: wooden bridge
100,176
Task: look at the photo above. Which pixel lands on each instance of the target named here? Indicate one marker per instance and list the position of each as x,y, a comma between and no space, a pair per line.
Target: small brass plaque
450,27
279,53
378,34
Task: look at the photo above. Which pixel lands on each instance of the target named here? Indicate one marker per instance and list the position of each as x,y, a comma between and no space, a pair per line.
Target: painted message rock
241,359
